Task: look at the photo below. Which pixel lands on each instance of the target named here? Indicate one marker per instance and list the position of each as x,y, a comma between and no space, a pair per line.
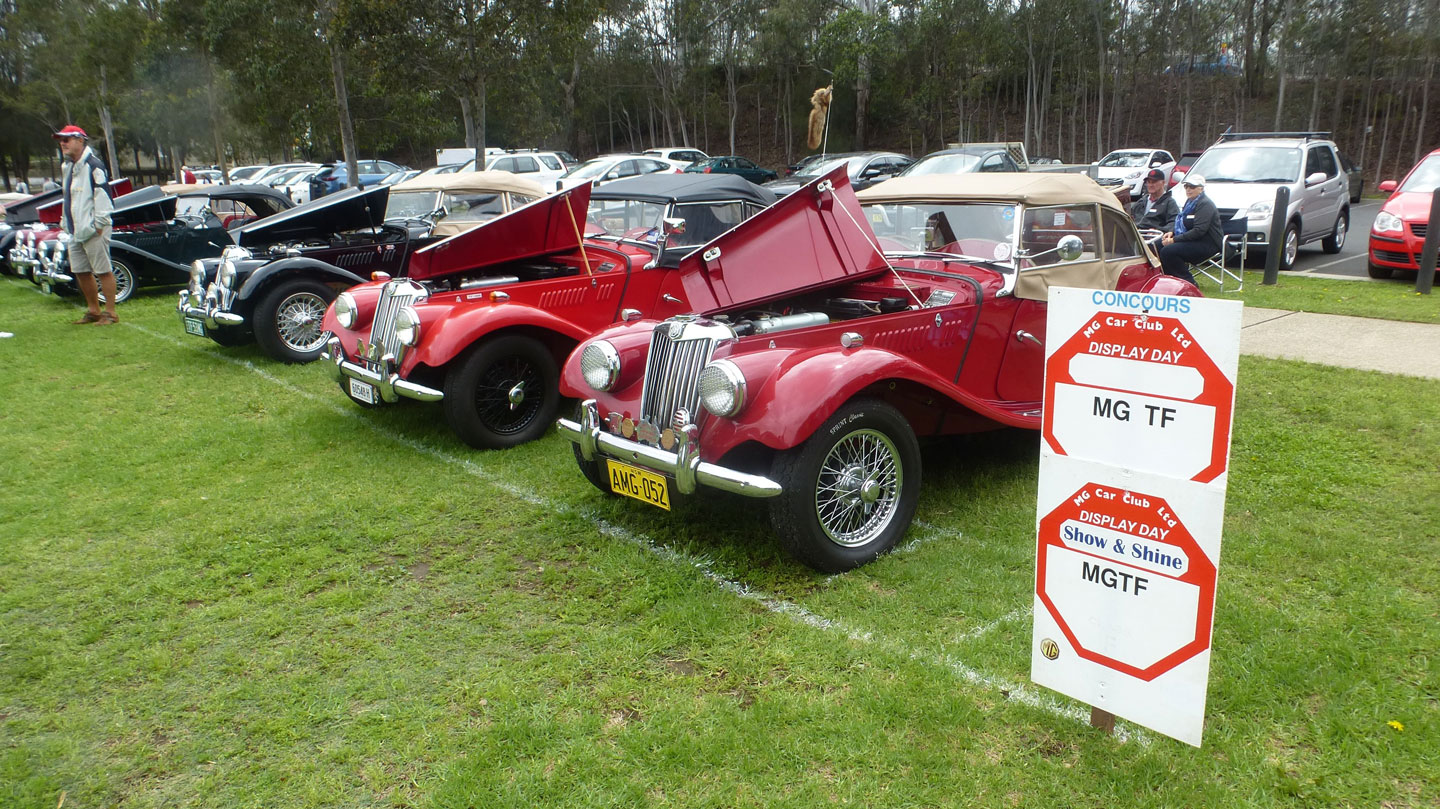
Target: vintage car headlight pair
1386,222
197,278
600,365
407,326
345,312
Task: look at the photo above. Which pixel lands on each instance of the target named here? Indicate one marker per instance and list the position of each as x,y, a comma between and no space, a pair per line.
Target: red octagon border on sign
1202,573
1219,391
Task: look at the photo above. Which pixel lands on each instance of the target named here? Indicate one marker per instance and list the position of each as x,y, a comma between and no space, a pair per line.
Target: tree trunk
107,126
862,99
467,120
1280,62
342,108
1424,107
215,138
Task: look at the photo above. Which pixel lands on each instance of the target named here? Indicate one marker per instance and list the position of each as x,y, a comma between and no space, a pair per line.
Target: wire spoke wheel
507,395
858,486
297,321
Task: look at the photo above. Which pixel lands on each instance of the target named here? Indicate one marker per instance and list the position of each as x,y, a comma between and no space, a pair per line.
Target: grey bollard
1425,279
1276,245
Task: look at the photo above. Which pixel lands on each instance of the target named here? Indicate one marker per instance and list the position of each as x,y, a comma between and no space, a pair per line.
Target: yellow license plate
640,484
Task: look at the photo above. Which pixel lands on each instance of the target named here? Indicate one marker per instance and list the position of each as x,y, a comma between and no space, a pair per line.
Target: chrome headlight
227,273
600,365
722,388
197,277
1386,222
407,326
345,313
1260,210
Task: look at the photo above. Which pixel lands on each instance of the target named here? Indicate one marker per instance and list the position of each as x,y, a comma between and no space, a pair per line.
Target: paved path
1391,346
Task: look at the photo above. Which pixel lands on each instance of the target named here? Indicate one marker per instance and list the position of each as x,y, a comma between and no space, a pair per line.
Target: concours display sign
1139,399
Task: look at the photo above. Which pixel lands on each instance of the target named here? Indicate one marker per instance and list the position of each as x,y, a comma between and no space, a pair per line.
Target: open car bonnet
351,209
149,204
45,206
809,239
544,226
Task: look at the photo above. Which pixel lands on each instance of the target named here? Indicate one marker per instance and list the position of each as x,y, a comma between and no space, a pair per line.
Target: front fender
800,393
447,333
312,268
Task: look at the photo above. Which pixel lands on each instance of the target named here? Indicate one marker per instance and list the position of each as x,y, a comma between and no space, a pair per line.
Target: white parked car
1128,167
264,175
298,185
684,155
614,167
245,174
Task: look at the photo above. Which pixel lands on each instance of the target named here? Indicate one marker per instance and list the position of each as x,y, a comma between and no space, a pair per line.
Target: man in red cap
86,217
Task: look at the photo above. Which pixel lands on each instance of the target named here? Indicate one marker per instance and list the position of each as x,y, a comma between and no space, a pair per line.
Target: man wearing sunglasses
85,190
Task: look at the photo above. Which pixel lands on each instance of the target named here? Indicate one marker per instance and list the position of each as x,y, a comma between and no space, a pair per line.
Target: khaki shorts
91,255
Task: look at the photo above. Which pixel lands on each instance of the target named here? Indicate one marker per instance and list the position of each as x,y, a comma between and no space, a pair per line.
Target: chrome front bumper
390,385
23,261
206,310
684,464
47,273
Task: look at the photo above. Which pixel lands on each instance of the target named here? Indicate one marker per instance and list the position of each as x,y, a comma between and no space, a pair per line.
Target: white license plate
362,391
194,326
45,287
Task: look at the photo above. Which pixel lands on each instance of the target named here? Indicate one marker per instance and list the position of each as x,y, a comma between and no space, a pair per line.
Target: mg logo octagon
1127,584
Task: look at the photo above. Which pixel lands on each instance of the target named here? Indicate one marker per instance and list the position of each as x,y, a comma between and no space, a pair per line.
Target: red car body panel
609,277
1401,250
951,368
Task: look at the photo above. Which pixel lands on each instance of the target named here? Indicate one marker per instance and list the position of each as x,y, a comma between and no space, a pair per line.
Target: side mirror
1069,248
1315,179
670,227
1388,186
1094,162
870,174
1155,164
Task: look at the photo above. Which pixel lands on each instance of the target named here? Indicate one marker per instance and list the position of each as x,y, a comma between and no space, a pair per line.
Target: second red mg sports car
482,319
829,337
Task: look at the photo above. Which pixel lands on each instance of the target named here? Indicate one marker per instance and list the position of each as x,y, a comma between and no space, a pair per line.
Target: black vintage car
274,284
156,234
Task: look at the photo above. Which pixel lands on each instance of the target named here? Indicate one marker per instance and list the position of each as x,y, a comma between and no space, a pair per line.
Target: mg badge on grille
676,329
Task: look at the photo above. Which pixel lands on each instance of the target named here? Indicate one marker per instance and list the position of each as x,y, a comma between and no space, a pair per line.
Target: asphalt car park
1349,263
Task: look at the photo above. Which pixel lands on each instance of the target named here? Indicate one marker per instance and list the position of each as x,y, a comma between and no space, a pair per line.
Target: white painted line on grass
1017,692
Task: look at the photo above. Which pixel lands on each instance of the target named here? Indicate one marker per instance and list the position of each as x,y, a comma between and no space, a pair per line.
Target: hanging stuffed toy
819,111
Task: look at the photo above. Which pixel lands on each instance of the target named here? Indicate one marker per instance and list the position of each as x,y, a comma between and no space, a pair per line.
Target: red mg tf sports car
830,335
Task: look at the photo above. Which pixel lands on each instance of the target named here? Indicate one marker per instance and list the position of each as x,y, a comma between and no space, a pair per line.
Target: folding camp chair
1233,247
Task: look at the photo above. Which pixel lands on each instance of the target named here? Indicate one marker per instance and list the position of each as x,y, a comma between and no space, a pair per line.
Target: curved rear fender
445,334
1170,285
296,268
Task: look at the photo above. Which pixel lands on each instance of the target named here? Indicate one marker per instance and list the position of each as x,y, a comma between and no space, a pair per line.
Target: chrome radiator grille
394,296
679,350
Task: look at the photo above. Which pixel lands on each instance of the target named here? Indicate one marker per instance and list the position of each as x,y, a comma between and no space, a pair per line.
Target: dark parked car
1355,175
157,234
865,169
964,160
332,178
802,163
732,164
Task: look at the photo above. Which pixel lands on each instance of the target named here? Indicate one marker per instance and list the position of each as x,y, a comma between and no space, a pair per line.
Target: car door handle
1022,335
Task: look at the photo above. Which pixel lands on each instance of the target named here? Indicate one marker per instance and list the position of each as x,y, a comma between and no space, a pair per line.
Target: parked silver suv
1243,170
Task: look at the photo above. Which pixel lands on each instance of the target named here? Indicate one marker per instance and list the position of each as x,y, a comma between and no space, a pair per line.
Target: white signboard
1139,395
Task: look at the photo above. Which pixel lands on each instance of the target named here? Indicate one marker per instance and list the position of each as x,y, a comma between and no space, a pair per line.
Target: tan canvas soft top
461,181
1030,188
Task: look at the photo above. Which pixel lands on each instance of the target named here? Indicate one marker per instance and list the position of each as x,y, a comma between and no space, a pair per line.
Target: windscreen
1125,160
980,231
958,163
411,204
1249,164
1425,177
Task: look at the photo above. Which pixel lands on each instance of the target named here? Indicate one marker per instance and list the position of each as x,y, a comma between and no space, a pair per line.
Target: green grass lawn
224,585
1388,300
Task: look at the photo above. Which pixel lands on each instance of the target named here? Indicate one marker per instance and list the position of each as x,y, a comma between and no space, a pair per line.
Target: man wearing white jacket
85,190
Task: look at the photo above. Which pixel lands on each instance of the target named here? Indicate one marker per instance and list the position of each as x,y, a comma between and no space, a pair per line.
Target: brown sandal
88,317
107,319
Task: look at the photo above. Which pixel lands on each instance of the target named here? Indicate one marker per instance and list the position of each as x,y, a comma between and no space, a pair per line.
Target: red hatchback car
829,337
1398,235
